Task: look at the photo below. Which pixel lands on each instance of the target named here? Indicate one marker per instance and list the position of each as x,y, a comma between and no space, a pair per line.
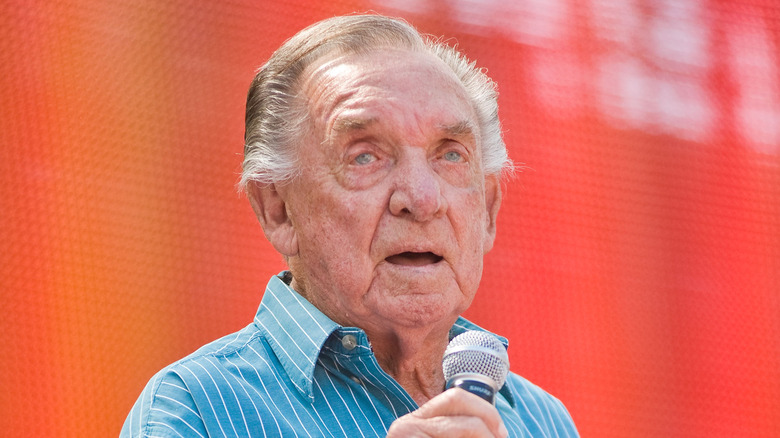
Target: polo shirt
293,372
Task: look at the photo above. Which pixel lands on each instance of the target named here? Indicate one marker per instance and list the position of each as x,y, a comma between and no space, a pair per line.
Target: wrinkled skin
387,224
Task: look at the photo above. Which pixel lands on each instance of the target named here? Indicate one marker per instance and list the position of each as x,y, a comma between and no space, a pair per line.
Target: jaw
418,288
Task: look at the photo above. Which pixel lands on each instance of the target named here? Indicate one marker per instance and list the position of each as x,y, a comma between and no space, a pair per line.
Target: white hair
277,118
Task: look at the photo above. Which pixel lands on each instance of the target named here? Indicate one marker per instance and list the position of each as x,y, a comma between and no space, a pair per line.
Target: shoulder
525,391
217,364
539,408
173,400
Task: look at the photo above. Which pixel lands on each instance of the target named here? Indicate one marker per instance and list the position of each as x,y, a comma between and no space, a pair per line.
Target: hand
453,413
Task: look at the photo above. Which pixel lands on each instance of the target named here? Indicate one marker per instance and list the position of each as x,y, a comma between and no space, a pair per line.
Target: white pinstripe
409,402
330,408
232,390
209,399
254,405
277,410
368,397
265,391
165,397
288,374
169,427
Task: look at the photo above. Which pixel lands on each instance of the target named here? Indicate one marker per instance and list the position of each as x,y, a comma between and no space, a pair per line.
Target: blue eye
365,158
453,156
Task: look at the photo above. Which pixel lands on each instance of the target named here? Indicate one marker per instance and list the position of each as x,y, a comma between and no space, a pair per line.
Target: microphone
477,362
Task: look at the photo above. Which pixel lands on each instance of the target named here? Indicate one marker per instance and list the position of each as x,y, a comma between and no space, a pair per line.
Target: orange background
637,268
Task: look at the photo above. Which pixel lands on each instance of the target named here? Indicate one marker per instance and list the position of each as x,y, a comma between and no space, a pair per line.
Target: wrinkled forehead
379,64
418,75
390,85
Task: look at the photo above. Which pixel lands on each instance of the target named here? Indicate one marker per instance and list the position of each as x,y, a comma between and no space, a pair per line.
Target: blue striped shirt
295,372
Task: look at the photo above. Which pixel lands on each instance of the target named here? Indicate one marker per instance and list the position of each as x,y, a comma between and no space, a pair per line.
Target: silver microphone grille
476,352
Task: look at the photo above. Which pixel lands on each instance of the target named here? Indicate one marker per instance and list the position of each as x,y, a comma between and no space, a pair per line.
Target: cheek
341,224
472,212
469,219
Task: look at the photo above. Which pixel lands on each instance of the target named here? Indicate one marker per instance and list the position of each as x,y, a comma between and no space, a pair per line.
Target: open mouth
414,258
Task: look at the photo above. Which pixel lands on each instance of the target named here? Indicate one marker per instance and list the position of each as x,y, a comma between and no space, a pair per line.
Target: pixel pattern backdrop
637,266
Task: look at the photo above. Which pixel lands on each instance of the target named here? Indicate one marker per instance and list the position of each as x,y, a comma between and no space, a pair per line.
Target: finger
445,426
457,402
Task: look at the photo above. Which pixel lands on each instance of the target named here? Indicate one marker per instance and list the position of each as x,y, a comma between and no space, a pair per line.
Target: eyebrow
463,128
352,124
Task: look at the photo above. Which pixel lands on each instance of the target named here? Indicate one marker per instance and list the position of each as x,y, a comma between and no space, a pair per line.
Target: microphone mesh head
476,352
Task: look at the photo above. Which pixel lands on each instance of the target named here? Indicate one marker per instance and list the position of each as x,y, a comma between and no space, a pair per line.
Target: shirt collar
297,331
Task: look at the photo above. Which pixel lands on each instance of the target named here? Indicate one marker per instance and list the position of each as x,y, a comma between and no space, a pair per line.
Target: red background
637,268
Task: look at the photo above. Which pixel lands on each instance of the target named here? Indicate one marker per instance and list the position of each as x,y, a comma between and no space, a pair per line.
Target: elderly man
373,161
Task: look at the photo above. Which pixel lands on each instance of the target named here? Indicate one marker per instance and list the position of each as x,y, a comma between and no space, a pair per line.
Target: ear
492,203
271,210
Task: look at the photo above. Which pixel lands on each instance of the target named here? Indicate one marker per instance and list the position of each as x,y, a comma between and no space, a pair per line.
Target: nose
417,191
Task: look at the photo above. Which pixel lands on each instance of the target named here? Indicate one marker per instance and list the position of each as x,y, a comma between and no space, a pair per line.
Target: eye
453,156
365,158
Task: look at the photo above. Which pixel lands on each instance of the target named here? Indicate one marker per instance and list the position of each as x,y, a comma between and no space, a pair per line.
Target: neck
413,359
410,353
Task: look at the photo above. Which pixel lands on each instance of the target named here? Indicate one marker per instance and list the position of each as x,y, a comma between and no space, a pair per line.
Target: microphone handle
477,384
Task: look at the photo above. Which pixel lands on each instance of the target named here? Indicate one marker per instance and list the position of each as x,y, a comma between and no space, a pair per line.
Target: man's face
391,214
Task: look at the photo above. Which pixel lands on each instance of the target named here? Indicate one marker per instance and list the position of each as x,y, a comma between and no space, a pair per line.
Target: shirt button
349,342
355,379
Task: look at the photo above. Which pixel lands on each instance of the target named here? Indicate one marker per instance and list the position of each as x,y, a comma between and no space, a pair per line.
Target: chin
420,310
